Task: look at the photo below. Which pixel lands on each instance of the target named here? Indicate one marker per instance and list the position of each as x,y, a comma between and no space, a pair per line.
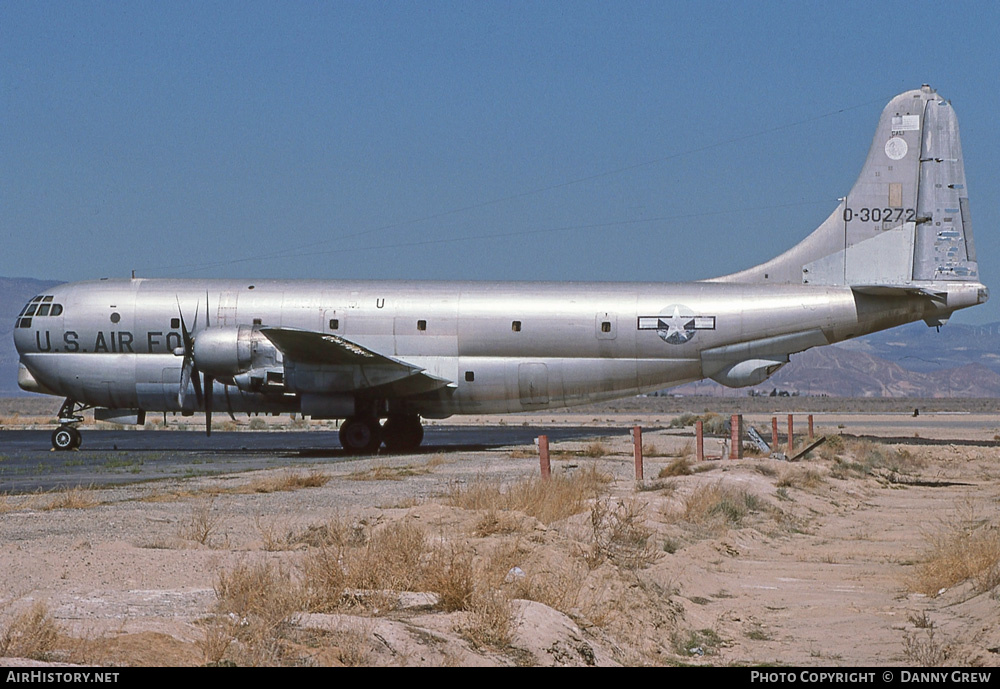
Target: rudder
906,219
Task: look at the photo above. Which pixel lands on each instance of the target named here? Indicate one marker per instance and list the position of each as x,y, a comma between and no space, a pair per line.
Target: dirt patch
833,560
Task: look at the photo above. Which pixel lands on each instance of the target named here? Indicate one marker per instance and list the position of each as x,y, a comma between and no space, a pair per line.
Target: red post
736,436
791,435
637,447
774,433
543,455
699,441
811,436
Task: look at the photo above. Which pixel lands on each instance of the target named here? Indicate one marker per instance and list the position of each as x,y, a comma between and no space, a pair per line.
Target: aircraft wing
354,367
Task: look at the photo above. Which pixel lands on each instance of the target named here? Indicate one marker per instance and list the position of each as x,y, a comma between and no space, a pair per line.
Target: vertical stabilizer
906,220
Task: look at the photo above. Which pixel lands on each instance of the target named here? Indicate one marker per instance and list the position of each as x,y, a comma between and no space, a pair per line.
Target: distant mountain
910,361
841,372
14,294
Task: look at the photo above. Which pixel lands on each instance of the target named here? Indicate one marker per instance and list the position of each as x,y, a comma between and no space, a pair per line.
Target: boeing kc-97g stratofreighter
897,249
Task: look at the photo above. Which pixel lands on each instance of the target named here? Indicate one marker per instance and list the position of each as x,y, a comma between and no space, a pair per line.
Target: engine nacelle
749,372
227,352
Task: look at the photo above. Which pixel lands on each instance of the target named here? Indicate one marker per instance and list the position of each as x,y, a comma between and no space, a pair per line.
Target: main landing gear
67,437
362,435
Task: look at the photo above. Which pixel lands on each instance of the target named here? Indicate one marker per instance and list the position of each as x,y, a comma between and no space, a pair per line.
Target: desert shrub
966,547
390,560
546,500
712,423
255,602
452,577
719,506
678,467
864,457
30,634
619,535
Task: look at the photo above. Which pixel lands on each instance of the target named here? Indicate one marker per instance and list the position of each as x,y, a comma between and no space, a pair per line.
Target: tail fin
905,223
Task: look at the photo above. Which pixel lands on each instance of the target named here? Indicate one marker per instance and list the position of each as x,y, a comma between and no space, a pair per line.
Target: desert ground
881,547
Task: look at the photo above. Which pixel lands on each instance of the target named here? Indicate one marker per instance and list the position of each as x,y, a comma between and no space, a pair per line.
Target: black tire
360,436
65,438
402,433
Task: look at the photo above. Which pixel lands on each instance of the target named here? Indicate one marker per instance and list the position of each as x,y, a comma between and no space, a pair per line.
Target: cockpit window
39,306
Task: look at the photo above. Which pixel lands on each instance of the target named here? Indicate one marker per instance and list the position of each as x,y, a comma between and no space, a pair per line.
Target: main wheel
402,433
66,438
361,436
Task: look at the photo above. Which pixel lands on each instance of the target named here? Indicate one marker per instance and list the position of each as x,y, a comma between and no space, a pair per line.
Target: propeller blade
185,379
209,385
196,379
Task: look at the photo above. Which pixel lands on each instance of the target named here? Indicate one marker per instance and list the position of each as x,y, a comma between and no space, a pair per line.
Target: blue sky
432,140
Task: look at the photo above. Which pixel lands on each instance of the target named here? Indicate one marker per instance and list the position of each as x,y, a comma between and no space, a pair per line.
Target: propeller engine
190,373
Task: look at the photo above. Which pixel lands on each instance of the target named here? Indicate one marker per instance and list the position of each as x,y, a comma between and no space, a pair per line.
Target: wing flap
331,363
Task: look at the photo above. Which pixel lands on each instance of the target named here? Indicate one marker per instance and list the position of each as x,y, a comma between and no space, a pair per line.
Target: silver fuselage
503,347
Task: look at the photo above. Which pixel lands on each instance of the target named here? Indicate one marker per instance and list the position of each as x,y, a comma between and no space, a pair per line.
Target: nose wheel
66,438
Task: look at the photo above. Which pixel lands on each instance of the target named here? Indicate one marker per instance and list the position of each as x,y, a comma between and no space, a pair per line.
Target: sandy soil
819,564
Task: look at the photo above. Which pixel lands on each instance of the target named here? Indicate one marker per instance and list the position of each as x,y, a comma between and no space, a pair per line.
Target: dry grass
964,548
595,450
30,634
712,424
492,620
865,457
799,477
256,602
923,650
286,480
678,467
548,501
384,472
718,507
452,577
77,498
496,522
619,535
201,523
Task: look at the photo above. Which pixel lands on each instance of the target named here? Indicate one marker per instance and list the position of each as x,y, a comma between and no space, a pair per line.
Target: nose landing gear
67,437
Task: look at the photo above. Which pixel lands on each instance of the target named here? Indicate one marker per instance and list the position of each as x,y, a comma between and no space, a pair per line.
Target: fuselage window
175,323
470,376
334,324
606,326
515,326
421,325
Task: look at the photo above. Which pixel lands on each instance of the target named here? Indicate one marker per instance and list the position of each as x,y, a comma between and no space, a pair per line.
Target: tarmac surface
27,462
